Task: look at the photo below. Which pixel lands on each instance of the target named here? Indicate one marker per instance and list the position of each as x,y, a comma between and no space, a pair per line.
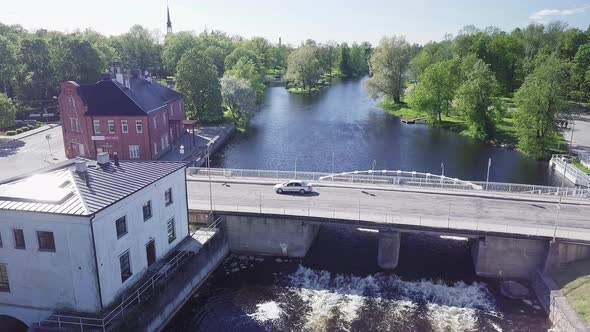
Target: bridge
506,222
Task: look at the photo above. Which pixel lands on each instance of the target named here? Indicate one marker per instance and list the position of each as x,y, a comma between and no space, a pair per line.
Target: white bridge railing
401,178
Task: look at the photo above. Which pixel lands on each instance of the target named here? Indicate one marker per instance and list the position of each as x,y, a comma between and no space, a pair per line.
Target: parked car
295,186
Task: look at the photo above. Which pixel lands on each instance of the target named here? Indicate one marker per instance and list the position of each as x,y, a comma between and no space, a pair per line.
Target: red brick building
129,115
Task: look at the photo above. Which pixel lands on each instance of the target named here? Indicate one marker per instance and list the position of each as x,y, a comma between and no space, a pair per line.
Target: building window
133,151
111,126
124,127
171,230
4,285
164,118
19,239
168,196
125,264
138,126
46,241
121,225
71,102
1,240
166,140
147,210
155,122
155,148
75,123
162,142
96,124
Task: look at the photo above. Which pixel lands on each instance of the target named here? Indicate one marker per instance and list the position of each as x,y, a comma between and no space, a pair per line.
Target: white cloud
547,13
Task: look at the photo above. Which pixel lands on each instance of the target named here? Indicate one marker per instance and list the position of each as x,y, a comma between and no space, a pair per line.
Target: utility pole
556,219
332,162
488,176
209,173
295,168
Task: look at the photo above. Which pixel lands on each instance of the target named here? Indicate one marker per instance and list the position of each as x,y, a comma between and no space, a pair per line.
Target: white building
75,236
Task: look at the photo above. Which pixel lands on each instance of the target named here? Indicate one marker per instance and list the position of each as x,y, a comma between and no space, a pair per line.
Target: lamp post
181,151
332,162
209,174
442,172
295,168
556,218
48,138
488,176
373,172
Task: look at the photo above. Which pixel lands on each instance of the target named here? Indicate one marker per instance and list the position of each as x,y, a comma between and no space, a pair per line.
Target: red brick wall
72,106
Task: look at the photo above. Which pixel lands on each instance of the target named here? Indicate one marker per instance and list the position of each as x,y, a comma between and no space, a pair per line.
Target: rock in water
514,290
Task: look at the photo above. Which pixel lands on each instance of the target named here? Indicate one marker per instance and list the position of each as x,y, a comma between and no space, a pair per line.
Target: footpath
195,146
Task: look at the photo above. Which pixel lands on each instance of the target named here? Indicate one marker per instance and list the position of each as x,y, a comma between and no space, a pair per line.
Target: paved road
436,210
581,137
18,156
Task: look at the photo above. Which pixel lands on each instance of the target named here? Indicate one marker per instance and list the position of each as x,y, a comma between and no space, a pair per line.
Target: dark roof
65,191
109,97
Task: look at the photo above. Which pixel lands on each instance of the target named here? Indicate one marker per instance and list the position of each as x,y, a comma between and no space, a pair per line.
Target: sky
295,21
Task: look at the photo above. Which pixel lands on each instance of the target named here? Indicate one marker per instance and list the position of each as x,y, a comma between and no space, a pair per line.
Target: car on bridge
295,186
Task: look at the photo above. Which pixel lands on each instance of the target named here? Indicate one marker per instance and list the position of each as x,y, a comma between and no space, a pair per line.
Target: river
338,286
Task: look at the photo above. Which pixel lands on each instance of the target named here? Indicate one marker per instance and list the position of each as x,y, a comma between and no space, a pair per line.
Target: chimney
102,158
116,157
81,166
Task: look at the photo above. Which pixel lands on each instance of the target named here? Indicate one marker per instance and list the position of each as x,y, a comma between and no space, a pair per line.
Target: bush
19,130
31,127
11,133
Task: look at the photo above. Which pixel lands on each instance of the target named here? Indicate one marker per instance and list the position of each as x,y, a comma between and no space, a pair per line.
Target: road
19,156
411,208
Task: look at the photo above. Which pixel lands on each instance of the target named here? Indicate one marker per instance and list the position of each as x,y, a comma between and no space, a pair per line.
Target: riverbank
505,136
574,281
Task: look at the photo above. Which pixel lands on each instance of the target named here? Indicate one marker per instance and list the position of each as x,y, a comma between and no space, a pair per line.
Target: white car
296,186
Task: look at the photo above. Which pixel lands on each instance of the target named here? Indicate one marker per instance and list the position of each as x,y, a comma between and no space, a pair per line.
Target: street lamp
488,176
181,152
373,172
48,138
442,172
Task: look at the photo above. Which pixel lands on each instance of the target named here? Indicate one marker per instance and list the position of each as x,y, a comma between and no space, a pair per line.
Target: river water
338,286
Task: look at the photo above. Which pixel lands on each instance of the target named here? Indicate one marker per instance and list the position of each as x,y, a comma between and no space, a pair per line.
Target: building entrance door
150,250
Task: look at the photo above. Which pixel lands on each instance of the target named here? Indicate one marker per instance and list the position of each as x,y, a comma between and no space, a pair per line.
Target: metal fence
584,158
564,161
143,292
400,178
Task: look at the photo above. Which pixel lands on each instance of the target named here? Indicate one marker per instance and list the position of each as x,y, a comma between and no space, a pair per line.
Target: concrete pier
269,236
388,250
508,258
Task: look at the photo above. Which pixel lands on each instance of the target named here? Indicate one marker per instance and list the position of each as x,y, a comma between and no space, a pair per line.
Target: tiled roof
108,97
64,191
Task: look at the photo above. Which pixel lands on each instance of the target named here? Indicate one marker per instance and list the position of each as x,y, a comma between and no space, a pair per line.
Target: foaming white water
267,311
340,299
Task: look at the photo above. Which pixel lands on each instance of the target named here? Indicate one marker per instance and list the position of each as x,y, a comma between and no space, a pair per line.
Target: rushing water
338,286
342,124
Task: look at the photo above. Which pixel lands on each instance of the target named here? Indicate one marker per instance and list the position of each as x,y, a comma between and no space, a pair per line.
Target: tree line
536,76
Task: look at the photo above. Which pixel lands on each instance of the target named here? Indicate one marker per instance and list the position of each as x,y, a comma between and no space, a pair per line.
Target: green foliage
344,60
175,45
75,59
11,133
435,91
8,62
540,100
246,69
478,101
7,112
196,78
581,70
303,67
388,64
239,98
139,49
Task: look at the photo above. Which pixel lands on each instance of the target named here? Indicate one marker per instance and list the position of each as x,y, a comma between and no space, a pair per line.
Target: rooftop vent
81,166
102,158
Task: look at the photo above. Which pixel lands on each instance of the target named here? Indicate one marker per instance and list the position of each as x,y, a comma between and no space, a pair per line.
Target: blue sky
344,20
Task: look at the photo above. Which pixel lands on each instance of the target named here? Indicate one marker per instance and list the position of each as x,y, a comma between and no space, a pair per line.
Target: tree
8,63
196,78
539,101
75,59
344,60
388,64
435,91
477,101
246,69
328,56
239,98
175,45
242,53
7,112
303,67
138,49
581,71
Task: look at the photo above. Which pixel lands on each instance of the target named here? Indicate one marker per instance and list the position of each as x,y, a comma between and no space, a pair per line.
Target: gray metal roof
107,184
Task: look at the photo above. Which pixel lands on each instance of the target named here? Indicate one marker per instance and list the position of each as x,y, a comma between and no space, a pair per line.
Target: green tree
242,53
344,60
38,80
7,112
196,78
477,101
388,65
239,98
435,91
175,45
138,49
540,100
75,59
304,68
581,71
246,69
8,63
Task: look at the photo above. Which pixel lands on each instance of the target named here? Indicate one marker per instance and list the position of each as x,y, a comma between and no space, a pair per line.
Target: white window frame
75,124
96,125
164,118
162,142
155,120
124,127
156,148
111,125
139,126
166,140
134,152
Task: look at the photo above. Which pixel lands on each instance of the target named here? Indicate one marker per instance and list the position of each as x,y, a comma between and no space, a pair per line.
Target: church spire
169,23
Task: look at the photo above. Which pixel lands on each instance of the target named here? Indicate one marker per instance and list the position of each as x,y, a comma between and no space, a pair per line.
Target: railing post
59,321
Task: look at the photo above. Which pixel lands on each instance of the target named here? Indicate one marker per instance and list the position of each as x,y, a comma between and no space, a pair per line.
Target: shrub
11,133
19,130
31,127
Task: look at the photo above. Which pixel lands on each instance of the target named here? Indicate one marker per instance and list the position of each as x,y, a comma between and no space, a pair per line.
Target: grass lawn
574,281
581,167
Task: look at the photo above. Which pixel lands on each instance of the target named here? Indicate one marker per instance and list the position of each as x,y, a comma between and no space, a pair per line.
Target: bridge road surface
526,216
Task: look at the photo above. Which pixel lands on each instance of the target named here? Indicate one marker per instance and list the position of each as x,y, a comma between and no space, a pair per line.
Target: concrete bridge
514,232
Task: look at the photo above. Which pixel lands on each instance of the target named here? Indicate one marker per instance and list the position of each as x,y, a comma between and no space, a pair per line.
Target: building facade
130,116
87,238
